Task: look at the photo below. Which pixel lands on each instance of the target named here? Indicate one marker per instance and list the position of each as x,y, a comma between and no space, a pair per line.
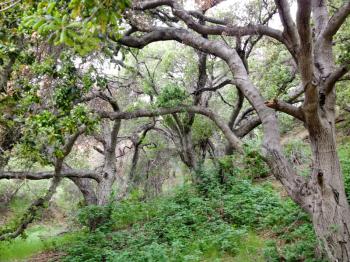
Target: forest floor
44,241
34,249
46,256
39,245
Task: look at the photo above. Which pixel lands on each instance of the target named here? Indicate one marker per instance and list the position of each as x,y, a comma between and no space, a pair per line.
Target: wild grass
39,238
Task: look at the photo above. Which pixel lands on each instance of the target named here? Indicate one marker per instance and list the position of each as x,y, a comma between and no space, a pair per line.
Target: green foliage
171,95
93,216
202,129
344,157
182,228
78,24
255,165
46,128
48,120
273,75
40,238
200,223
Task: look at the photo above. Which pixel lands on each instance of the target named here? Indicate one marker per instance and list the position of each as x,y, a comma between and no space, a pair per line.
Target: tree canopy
150,87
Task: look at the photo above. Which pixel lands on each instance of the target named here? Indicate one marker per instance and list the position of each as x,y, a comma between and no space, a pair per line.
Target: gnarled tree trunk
310,45
329,207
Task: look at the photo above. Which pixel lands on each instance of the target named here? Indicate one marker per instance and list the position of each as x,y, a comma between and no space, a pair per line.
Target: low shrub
206,221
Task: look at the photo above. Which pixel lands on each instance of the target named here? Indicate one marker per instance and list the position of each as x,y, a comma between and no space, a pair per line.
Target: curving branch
336,21
335,76
287,108
71,173
221,28
286,19
32,211
231,137
40,203
214,88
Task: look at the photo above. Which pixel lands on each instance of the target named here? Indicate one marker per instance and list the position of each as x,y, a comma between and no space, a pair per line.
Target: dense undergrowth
229,214
207,222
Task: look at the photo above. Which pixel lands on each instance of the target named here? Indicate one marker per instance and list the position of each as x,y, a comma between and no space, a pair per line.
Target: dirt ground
48,256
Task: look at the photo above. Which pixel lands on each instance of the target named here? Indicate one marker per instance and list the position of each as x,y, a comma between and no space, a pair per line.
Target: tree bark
104,188
86,188
329,208
323,195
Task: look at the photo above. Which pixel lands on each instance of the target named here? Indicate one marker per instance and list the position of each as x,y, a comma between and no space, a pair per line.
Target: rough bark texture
329,206
322,195
109,170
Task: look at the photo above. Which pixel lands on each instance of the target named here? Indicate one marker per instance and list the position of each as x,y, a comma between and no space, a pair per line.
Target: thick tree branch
286,19
247,126
236,142
334,77
219,29
236,110
286,108
336,21
71,173
305,51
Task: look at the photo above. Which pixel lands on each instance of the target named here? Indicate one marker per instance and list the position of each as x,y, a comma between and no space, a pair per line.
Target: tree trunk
104,189
86,188
328,204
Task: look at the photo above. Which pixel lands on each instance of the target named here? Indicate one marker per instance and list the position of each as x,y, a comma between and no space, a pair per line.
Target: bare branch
226,29
337,20
286,108
214,88
287,22
236,143
71,173
334,77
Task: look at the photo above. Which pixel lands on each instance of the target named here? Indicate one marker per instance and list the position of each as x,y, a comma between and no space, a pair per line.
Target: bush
205,221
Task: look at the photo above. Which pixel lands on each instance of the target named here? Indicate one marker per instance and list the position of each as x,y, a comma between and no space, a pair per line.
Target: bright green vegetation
177,191
39,238
250,249
242,220
238,221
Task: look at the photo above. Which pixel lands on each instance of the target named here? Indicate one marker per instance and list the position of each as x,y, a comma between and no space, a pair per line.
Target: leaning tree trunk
329,207
86,188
